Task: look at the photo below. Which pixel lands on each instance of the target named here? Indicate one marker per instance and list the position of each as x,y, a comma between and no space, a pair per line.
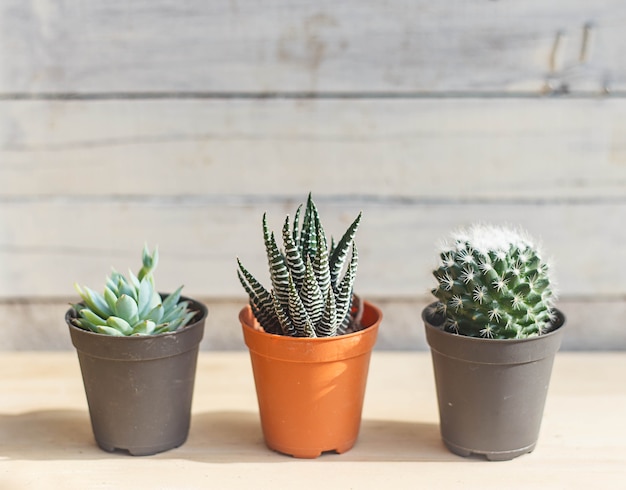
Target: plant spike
328,325
331,250
308,297
298,314
308,236
296,226
312,295
279,274
285,321
320,263
340,251
261,300
345,292
293,259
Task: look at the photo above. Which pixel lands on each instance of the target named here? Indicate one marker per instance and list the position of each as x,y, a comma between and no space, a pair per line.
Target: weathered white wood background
180,123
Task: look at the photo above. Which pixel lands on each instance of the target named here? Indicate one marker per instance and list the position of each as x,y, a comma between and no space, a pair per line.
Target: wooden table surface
46,440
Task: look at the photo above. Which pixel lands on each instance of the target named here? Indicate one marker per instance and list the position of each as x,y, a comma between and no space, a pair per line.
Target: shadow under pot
491,393
139,388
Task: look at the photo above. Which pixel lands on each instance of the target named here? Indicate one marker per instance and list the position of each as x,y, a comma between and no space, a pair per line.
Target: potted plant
493,334
310,338
137,352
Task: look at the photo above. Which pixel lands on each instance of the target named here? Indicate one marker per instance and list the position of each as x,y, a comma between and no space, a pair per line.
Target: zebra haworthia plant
309,297
493,283
131,306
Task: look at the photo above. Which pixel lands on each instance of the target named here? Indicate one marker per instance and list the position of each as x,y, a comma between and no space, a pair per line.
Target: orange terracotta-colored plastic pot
310,391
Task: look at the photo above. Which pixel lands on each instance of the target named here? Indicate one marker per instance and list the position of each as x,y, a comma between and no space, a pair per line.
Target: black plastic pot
139,389
491,393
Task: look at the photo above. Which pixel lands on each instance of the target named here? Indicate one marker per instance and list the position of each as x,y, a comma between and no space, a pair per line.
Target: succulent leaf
125,288
172,299
176,324
156,314
94,301
144,327
110,297
150,262
131,306
176,312
111,284
84,324
134,280
106,330
119,324
144,297
91,317
126,308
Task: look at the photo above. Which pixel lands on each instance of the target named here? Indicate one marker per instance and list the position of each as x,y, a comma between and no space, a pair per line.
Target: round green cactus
493,283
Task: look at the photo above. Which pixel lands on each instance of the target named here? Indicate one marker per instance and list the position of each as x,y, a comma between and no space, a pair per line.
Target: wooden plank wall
180,123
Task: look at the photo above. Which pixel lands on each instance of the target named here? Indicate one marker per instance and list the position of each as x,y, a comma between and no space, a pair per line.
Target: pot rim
140,347
246,312
429,311
316,349
491,351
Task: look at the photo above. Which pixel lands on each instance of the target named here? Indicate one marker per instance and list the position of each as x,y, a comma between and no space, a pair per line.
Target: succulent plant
493,283
131,306
309,297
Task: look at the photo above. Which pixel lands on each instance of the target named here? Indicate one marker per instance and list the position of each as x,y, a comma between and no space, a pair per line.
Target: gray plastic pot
139,389
491,393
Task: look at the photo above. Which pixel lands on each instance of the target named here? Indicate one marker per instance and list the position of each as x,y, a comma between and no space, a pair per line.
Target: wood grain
48,246
179,124
47,441
220,150
299,46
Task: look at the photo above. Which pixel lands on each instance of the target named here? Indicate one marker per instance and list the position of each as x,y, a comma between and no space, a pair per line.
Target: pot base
140,450
490,455
310,453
